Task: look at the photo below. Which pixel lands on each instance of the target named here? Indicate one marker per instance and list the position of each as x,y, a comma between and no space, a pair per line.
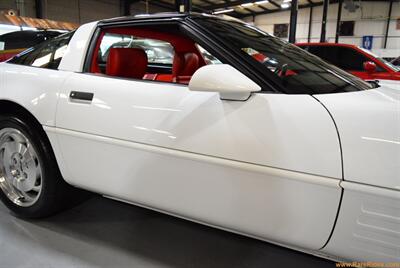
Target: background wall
26,7
77,11
81,11
370,19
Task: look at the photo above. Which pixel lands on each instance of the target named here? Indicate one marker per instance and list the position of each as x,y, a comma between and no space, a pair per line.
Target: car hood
390,84
368,124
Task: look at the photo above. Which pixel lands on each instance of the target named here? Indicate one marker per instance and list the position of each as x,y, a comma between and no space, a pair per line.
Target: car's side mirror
370,66
223,78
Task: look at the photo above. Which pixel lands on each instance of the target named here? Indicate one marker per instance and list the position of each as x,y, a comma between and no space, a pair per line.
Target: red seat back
127,62
185,64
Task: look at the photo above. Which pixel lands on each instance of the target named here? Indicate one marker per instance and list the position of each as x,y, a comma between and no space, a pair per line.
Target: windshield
388,64
292,69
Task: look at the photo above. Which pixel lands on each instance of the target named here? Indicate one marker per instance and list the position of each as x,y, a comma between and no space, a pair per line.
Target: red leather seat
164,77
127,62
184,66
159,77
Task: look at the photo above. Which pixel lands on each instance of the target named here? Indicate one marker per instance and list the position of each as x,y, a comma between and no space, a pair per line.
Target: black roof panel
156,16
163,15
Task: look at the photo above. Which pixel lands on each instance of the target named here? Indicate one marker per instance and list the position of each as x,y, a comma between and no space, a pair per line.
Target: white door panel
267,203
196,156
285,131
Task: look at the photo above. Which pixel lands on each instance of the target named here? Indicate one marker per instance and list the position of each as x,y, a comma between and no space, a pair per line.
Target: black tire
55,194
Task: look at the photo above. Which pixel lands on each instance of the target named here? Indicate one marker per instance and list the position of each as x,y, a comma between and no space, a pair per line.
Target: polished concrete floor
106,233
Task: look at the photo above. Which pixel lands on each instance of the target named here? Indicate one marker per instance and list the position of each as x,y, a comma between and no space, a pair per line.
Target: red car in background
13,43
355,60
396,62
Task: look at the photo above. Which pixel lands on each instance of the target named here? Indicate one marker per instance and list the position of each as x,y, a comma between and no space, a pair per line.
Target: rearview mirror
223,78
370,66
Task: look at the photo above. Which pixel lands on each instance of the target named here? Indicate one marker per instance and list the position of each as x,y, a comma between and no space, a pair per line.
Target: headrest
127,62
185,64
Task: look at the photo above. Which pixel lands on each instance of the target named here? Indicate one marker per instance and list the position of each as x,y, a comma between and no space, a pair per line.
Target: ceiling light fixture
223,11
285,5
247,4
261,2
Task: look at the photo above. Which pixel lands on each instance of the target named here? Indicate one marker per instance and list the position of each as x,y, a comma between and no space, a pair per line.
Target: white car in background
264,140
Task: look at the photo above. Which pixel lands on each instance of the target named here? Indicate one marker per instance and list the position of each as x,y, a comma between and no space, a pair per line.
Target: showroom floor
106,233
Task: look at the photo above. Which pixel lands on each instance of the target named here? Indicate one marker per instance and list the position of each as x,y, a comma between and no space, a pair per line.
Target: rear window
25,39
46,55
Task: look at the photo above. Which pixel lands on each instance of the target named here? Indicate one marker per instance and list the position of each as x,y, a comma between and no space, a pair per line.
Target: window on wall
347,28
281,30
162,54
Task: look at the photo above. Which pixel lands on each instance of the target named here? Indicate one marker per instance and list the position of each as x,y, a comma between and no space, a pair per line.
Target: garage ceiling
245,8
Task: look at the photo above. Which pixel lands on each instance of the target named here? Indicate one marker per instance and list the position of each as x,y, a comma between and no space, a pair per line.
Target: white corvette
210,120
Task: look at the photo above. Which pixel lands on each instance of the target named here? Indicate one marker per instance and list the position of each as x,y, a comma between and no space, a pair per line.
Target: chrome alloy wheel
20,168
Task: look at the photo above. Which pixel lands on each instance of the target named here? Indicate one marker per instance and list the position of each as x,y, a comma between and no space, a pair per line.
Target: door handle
81,96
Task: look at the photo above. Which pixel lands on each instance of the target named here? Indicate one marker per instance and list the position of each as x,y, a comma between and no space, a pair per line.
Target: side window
317,51
343,57
160,54
331,55
326,53
208,57
163,53
349,59
46,55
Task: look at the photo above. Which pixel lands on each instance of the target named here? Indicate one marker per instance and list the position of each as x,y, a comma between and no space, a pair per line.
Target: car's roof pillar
74,58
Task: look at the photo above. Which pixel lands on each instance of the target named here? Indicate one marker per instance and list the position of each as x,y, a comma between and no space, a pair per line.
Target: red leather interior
183,67
181,43
183,79
94,66
130,64
164,77
127,62
159,77
185,64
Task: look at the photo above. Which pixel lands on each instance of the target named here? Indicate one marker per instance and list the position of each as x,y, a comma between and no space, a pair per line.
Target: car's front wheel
31,185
